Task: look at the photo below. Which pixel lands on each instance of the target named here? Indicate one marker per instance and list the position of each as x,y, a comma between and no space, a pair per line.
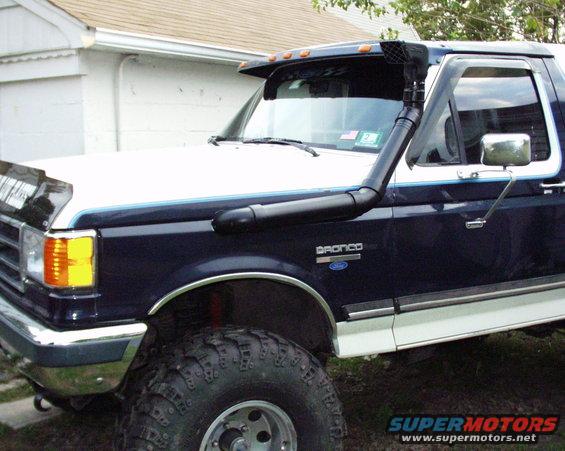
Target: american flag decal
350,135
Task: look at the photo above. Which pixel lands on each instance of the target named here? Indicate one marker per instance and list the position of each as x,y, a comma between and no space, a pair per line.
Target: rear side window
498,100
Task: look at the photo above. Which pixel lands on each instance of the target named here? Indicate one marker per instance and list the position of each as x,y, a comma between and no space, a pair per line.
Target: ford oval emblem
338,266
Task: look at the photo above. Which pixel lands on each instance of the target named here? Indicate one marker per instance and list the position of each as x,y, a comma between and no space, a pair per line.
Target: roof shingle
257,25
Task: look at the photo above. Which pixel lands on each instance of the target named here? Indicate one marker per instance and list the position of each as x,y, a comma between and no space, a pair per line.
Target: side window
442,146
498,100
485,100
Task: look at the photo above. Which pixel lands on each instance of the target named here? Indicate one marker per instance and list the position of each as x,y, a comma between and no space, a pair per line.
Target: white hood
137,178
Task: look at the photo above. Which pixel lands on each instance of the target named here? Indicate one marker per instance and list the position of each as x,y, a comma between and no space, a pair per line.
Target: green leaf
487,20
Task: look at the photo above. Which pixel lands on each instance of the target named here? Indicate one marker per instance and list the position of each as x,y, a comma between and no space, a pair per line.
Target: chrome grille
10,252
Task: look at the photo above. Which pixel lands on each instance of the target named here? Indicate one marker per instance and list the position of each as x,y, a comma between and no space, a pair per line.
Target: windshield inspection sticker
369,139
350,135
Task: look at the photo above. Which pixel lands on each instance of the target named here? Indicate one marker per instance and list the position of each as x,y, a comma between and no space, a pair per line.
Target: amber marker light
287,55
272,58
304,53
243,64
364,48
69,262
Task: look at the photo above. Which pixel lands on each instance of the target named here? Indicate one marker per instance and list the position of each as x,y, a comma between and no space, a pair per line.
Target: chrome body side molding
456,322
371,309
482,293
280,278
449,322
424,301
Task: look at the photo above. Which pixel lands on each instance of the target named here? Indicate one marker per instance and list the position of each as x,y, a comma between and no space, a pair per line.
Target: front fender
239,267
144,267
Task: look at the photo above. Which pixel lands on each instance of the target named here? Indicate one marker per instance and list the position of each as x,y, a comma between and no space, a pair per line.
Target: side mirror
501,149
506,149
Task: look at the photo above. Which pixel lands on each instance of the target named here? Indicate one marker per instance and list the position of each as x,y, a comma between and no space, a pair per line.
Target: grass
505,373
7,374
7,371
66,432
16,393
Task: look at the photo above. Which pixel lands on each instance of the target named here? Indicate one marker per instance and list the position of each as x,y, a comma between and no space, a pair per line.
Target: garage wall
164,102
98,100
21,31
40,86
41,118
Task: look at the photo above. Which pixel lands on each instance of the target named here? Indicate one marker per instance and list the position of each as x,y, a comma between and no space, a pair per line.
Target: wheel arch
323,307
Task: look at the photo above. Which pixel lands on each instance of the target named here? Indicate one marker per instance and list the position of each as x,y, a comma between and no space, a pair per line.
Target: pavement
21,413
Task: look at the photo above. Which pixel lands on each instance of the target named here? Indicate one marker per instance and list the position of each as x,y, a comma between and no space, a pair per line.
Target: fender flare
280,278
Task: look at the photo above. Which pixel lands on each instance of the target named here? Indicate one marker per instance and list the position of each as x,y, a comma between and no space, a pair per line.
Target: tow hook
37,400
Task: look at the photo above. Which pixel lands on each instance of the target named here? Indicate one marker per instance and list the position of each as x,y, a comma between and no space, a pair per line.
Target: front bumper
72,362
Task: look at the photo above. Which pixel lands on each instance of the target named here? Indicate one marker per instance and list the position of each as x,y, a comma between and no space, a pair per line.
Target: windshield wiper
215,139
284,142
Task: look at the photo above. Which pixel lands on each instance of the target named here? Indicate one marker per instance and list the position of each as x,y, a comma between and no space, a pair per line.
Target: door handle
544,185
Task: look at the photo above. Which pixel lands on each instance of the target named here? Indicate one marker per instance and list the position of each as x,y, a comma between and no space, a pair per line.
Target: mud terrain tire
206,374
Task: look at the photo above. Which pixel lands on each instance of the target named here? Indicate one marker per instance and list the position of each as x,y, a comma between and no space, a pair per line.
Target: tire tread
200,359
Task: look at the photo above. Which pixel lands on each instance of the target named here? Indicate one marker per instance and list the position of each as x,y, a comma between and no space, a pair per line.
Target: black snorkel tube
351,204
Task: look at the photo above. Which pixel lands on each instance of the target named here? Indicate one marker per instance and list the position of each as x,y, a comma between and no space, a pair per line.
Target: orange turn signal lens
69,262
287,55
365,48
243,64
304,53
272,58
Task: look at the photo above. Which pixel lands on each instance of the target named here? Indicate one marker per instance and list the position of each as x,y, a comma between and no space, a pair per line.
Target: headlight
65,260
32,253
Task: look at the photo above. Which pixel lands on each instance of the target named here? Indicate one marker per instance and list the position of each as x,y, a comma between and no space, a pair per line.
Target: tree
479,20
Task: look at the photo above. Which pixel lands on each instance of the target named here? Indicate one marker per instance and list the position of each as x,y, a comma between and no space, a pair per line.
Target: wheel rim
251,426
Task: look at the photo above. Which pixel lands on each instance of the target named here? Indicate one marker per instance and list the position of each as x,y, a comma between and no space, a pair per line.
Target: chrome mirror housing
506,149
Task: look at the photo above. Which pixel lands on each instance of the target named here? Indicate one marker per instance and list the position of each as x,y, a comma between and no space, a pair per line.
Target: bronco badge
336,252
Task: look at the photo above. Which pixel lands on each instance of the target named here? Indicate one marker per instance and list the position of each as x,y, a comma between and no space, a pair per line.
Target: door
442,185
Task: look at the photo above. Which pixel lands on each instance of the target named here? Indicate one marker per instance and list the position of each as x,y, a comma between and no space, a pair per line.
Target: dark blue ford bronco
370,198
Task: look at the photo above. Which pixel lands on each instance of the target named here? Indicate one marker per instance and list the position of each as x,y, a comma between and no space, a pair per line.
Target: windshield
345,104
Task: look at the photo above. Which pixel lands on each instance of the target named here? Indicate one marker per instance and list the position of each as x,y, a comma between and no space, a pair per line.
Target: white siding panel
48,64
165,102
171,103
98,100
41,119
21,31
